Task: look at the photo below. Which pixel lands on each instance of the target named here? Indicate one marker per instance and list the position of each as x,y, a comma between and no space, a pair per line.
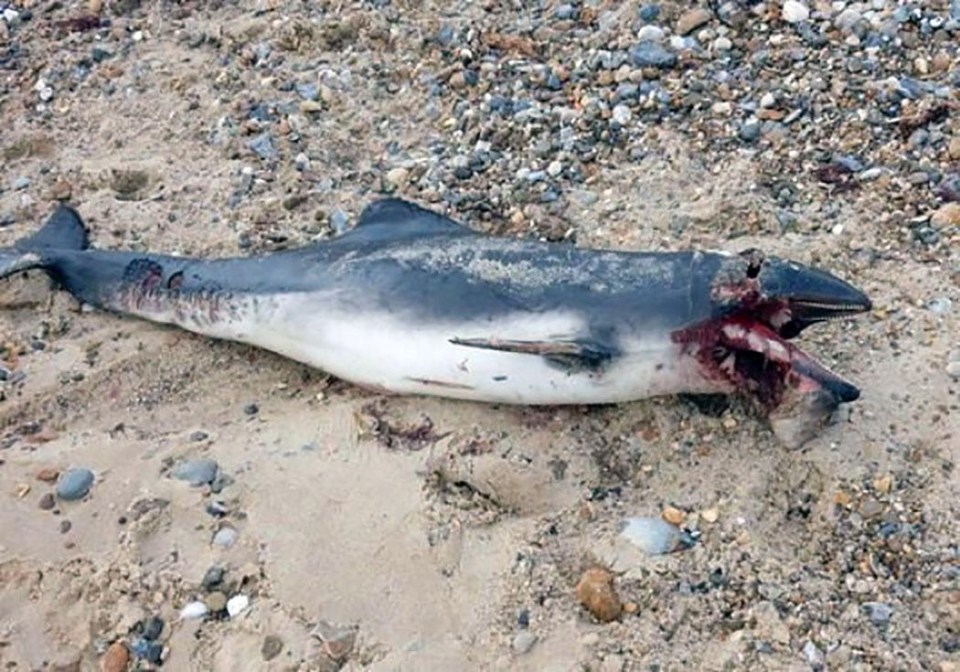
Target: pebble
649,12
396,177
339,221
622,114
262,145
651,33
47,501
953,369
946,215
692,19
152,628
271,648
813,654
596,592
794,11
655,535
940,305
212,578
20,183
196,472
193,611
879,613
216,601
524,641
115,659
338,641
237,604
750,131
225,537
74,484
652,55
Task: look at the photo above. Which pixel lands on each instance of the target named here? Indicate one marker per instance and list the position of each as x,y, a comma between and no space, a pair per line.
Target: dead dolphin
410,301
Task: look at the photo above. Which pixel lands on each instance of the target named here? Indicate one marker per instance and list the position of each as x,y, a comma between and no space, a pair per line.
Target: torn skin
745,350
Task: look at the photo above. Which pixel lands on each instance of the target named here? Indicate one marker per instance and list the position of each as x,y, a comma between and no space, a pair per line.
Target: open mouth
749,352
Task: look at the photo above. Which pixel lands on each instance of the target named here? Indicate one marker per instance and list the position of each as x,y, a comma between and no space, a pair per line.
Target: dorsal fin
392,218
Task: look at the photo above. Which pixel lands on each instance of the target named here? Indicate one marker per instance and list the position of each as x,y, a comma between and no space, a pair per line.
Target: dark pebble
199,436
251,409
99,54
48,501
150,651
65,526
649,13
152,627
212,578
74,484
652,55
217,509
949,188
272,647
750,131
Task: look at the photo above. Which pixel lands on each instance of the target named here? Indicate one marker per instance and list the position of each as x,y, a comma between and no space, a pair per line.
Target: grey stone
74,484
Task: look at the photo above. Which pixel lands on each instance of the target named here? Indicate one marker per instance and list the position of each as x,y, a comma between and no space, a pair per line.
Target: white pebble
722,44
654,535
622,114
237,604
225,537
554,169
193,611
953,370
651,34
795,12
768,100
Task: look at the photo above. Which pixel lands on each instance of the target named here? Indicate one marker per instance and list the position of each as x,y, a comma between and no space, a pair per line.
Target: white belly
402,355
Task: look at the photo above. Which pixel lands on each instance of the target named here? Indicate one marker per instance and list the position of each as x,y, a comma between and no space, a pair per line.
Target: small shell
655,535
236,605
193,611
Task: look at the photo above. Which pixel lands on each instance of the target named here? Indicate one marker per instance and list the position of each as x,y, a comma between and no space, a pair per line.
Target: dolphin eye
755,260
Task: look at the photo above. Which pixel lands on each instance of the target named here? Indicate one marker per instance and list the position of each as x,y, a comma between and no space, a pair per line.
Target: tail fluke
63,231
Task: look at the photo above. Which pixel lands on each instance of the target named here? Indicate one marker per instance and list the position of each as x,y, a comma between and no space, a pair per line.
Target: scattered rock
271,648
193,610
47,501
263,146
652,55
225,537
216,601
879,613
673,515
692,19
237,604
946,215
655,535
196,472
596,592
74,484
212,578
337,640
524,641
794,11
115,659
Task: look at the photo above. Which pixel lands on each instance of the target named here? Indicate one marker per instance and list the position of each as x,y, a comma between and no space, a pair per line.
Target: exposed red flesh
744,354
